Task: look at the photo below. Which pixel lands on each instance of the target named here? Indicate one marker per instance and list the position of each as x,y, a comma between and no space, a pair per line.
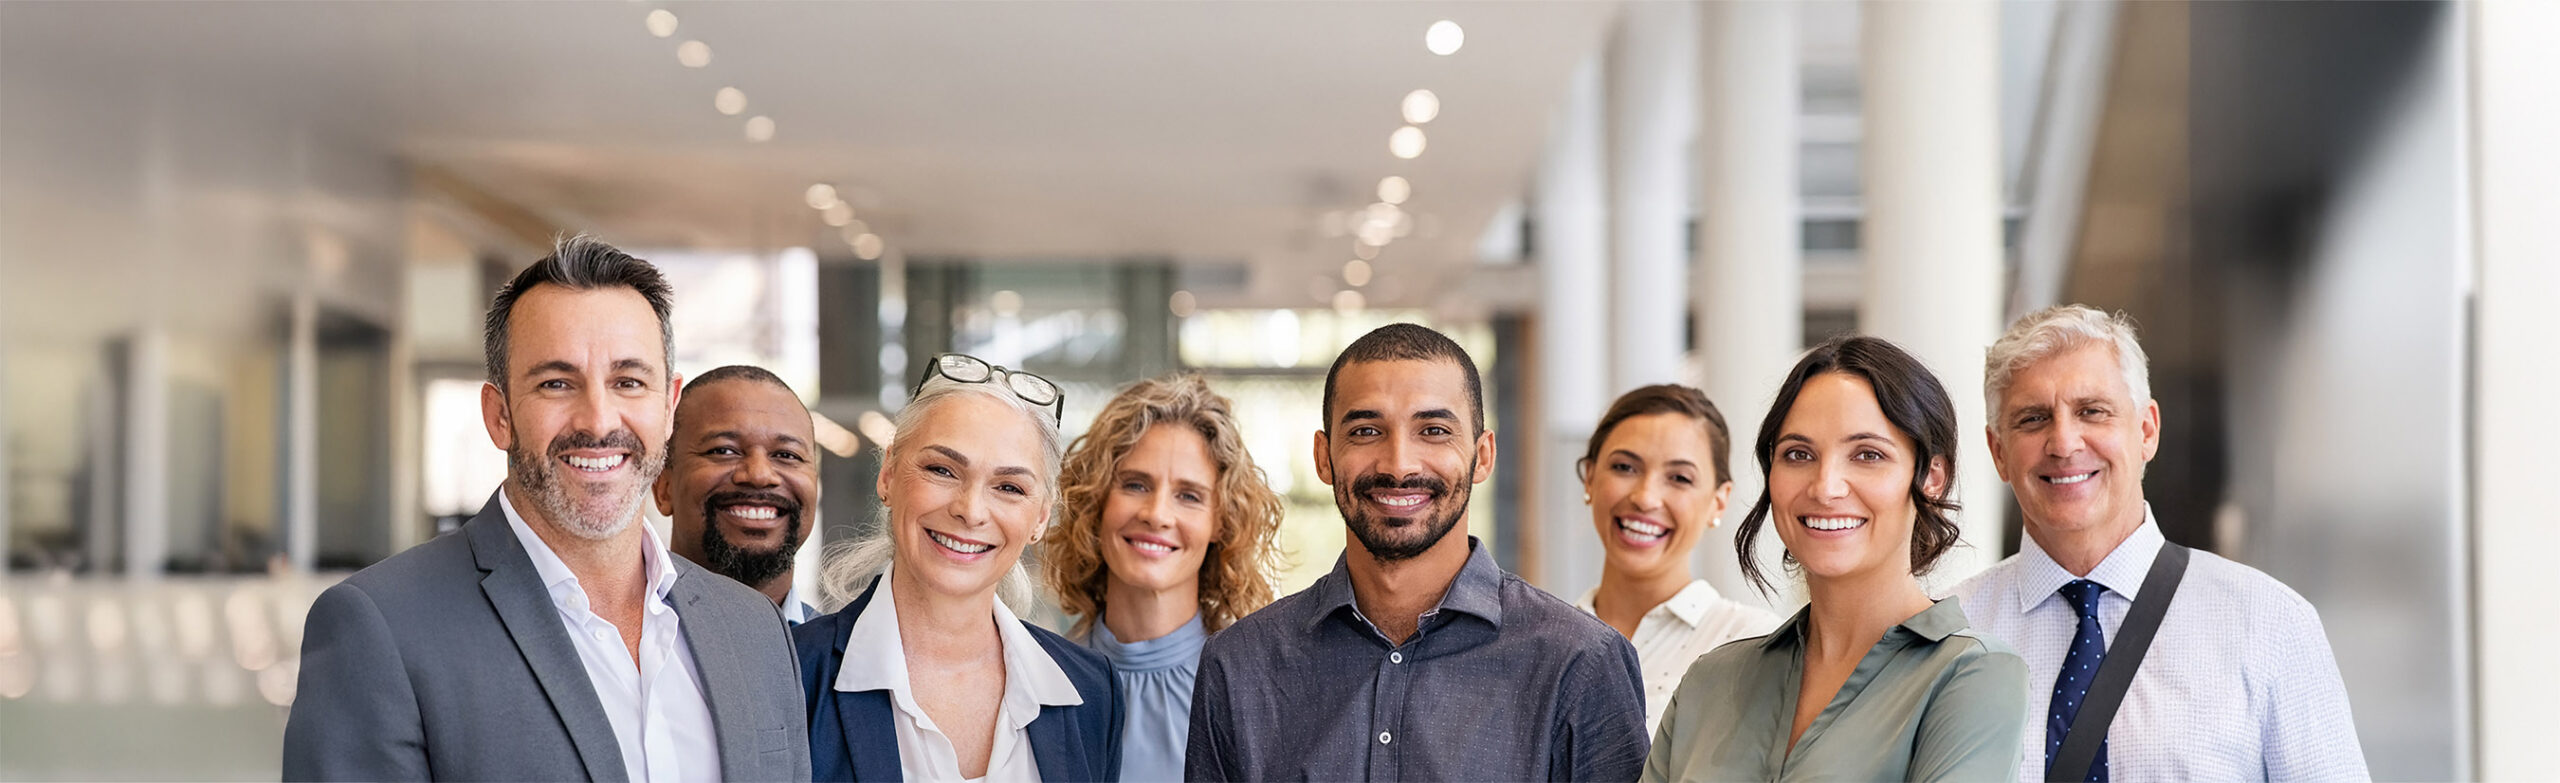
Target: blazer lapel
1055,746
870,737
713,637
516,591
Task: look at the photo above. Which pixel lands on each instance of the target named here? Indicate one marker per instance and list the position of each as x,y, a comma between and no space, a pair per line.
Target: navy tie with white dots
2078,669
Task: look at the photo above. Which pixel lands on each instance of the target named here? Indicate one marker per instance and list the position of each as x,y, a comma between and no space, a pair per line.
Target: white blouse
875,660
1674,634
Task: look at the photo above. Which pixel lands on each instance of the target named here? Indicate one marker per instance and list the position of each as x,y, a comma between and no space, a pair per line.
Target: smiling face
1400,458
1840,482
742,474
2072,443
1654,491
965,495
585,409
1160,515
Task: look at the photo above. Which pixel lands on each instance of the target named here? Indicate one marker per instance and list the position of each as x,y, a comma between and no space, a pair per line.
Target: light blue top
1155,688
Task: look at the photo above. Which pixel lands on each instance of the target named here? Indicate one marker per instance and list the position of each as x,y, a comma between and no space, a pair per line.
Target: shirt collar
875,659
1477,590
796,611
1936,623
1689,605
563,583
2122,572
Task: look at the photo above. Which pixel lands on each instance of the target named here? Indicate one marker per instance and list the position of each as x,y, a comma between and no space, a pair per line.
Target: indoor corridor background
245,249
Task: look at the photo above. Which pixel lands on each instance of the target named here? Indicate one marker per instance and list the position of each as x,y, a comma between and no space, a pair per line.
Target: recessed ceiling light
1420,106
820,196
662,23
694,54
1444,37
1394,190
1356,273
1348,302
1183,304
729,100
839,214
759,128
867,247
1406,142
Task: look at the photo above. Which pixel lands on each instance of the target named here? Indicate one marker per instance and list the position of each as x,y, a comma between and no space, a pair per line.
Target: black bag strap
2115,672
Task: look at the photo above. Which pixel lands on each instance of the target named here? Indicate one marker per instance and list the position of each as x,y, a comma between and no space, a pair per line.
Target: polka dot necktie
2078,669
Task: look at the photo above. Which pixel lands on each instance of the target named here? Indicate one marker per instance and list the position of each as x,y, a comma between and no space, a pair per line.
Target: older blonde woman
928,675
1166,538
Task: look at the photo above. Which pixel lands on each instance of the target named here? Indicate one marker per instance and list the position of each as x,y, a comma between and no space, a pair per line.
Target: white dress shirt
875,659
1672,636
795,611
2238,683
659,716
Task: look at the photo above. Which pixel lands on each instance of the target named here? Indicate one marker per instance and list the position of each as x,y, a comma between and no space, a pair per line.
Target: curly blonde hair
1236,577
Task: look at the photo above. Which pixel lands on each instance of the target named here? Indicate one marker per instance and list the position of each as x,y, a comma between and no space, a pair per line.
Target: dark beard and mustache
598,515
751,568
1393,541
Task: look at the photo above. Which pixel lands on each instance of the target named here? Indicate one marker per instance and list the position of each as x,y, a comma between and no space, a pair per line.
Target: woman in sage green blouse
1166,538
1871,681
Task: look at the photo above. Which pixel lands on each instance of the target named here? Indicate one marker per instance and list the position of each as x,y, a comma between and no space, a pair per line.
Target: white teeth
1833,523
956,546
1150,546
596,463
2072,479
753,512
1646,529
1402,502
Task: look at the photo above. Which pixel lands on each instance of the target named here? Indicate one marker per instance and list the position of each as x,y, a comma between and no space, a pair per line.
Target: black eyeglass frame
986,372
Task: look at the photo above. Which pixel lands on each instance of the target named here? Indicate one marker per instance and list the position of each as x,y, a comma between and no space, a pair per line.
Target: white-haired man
2222,673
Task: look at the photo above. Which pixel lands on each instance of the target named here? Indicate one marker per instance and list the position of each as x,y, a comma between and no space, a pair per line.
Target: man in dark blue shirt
1417,657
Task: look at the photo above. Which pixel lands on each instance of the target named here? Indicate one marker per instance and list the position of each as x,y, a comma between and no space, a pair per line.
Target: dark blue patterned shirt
1501,682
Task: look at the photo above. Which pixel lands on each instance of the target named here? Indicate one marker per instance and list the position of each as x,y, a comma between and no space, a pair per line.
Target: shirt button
1386,737
600,635
1395,657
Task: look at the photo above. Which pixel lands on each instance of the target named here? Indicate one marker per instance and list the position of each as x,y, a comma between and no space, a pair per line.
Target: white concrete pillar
1750,281
146,454
1930,71
1572,243
2515,115
1652,89
302,433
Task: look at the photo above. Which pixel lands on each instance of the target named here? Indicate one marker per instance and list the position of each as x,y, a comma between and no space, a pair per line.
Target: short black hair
1913,401
735,372
1407,342
581,263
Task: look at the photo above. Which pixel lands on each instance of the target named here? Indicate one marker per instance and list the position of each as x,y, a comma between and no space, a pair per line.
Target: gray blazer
449,662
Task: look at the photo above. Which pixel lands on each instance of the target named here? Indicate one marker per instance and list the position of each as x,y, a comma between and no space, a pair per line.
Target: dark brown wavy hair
1913,401
1236,578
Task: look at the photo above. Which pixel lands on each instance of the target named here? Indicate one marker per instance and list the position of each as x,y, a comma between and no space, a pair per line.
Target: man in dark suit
555,637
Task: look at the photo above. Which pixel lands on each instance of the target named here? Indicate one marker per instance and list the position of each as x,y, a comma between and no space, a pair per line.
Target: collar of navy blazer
852,738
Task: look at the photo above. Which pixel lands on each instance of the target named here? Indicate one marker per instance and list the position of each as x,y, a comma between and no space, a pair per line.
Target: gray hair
2041,334
578,263
850,565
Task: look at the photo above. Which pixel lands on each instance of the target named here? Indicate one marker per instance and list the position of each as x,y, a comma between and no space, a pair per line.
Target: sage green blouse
1931,701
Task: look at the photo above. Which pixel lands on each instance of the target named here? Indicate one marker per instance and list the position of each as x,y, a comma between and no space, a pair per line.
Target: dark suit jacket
851,737
449,662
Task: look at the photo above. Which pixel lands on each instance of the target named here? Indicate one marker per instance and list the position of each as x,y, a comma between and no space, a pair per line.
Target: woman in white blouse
1656,476
928,675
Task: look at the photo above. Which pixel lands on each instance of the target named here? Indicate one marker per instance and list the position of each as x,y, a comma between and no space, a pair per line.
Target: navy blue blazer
851,737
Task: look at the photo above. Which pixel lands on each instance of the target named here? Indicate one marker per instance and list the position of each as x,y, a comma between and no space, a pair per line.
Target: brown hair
1913,402
1664,398
1236,577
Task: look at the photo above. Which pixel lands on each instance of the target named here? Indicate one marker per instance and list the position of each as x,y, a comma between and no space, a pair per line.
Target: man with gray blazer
554,637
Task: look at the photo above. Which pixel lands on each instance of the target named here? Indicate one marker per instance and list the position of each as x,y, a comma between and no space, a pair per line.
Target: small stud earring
1586,498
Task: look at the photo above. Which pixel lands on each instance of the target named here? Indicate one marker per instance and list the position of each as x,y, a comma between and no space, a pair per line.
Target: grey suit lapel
720,655
516,591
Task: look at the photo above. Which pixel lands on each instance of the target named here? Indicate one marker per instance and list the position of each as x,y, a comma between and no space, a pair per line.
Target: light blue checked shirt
2238,685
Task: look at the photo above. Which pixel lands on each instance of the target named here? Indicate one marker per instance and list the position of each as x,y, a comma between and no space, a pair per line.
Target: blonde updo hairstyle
1236,577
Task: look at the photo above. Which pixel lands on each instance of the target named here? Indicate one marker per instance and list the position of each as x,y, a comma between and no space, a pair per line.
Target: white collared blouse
875,659
1672,636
